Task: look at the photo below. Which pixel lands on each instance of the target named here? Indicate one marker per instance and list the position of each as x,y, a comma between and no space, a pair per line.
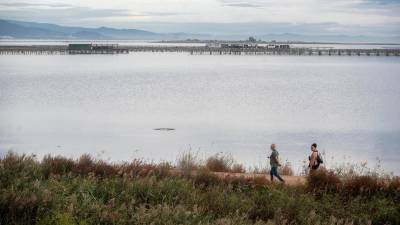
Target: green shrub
323,181
57,165
59,190
363,185
187,162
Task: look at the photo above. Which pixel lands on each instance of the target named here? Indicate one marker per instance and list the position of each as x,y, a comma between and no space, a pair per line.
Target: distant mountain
17,31
20,29
32,30
330,38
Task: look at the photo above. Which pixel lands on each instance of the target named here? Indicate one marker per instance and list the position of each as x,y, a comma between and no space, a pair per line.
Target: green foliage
187,162
88,191
323,181
60,219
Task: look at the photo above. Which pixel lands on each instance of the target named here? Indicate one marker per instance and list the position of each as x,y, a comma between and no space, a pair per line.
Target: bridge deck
199,50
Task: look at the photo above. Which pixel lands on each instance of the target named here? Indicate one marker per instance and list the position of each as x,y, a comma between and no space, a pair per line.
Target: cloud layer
318,16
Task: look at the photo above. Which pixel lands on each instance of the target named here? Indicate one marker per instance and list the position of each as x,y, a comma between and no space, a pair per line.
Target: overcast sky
363,17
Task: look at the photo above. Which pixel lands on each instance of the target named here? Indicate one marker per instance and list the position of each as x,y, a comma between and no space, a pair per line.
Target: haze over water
111,104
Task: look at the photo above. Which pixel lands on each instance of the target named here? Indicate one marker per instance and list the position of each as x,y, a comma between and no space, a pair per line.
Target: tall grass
187,162
58,190
286,169
224,163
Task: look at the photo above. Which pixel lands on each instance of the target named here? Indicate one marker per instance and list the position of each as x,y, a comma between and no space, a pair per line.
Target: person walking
315,158
274,162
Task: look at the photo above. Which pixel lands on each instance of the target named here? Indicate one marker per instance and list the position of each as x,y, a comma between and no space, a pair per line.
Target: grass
59,190
224,163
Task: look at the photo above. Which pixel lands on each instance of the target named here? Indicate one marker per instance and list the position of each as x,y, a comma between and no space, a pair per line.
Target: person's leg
277,174
271,173
279,177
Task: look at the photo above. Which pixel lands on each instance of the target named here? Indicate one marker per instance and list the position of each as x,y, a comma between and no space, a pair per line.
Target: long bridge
193,50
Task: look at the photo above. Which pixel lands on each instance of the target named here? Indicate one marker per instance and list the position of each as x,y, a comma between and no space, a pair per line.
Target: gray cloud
253,22
161,14
383,2
66,12
69,15
30,5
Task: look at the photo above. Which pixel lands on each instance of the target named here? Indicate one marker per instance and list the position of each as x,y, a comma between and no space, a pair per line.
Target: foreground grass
59,190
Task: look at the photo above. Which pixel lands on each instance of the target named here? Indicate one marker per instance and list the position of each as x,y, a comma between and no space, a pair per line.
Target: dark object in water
164,129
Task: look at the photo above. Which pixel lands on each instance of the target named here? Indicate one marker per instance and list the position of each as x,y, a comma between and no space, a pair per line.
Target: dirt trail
289,180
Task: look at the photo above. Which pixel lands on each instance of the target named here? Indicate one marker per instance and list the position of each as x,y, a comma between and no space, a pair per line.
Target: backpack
319,159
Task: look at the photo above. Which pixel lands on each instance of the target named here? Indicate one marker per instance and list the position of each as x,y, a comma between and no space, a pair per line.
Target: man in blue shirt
274,162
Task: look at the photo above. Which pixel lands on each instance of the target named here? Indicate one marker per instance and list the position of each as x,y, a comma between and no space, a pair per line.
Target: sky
339,17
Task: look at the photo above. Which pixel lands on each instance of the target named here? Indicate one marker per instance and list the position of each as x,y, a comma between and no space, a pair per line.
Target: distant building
96,49
277,46
79,47
213,45
231,45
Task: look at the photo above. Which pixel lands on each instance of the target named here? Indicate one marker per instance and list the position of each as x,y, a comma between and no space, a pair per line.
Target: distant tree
252,39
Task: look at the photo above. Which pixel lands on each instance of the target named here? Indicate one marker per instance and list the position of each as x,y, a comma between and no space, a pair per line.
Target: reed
59,190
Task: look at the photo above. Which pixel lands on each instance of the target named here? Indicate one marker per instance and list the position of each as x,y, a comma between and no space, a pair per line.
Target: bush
163,170
363,185
57,165
18,170
204,178
187,162
84,165
96,192
224,163
60,219
219,163
323,181
238,168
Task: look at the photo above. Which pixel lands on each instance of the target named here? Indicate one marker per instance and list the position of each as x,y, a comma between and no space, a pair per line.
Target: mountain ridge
33,30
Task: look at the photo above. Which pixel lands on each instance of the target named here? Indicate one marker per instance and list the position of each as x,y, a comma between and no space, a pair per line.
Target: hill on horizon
33,30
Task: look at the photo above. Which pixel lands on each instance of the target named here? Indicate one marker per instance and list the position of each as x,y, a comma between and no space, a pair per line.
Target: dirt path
289,180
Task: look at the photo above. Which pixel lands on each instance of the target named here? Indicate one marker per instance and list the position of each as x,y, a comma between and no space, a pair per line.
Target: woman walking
315,158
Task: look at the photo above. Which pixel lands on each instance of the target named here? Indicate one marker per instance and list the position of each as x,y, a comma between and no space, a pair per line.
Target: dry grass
204,178
363,185
58,190
219,163
224,163
187,162
57,165
238,168
323,180
286,169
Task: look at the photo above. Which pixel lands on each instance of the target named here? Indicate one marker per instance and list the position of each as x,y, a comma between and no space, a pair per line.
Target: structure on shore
232,49
72,49
96,49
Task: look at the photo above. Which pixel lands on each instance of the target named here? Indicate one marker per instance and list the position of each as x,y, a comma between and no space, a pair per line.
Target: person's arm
277,160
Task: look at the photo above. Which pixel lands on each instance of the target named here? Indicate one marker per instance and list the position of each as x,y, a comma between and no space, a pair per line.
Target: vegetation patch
58,190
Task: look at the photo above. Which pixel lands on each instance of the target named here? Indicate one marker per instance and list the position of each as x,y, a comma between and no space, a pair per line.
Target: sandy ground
289,180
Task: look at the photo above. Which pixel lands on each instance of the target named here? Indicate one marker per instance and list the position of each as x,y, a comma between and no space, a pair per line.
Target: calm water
109,105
